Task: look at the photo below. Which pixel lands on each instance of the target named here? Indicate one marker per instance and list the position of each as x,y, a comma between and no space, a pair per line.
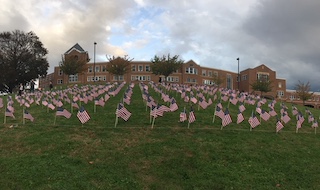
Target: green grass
97,155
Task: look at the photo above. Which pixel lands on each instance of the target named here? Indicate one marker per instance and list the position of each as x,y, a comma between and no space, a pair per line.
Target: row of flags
158,110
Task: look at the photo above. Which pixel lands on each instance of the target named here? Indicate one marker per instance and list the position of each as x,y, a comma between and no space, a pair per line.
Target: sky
282,34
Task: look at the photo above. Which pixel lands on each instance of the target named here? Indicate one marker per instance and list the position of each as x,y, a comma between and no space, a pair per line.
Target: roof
76,47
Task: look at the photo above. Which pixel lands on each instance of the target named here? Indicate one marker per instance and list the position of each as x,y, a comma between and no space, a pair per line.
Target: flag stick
23,119
116,122
198,107
221,127
297,130
214,114
188,125
94,106
71,107
47,109
5,118
154,118
315,130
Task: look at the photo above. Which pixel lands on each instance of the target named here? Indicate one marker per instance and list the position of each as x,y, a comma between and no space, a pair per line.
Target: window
140,68
73,78
148,78
244,77
148,68
229,81
90,69
279,85
204,72
191,80
208,82
280,93
120,77
104,68
133,68
263,76
177,79
60,72
191,70
97,69
215,73
59,81
210,73
88,79
171,79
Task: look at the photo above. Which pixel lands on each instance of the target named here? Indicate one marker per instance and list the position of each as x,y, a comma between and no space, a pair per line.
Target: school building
190,73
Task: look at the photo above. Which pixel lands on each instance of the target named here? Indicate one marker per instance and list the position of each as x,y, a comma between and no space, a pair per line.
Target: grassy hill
98,155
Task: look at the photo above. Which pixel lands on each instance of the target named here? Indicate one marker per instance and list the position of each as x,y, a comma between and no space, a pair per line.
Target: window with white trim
73,78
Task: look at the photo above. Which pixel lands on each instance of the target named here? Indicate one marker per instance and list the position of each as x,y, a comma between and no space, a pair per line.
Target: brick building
190,73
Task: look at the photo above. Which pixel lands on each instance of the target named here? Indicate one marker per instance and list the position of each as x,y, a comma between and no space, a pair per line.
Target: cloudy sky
282,34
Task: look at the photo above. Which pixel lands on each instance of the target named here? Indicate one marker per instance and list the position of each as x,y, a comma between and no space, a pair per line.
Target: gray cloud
285,35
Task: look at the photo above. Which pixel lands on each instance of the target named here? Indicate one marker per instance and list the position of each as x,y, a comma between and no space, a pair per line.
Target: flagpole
23,119
5,117
154,118
214,114
251,117
315,130
188,124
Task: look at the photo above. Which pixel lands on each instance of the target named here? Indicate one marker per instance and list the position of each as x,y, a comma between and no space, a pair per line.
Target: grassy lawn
97,155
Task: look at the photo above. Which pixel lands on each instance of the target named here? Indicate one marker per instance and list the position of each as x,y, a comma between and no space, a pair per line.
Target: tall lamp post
94,61
238,74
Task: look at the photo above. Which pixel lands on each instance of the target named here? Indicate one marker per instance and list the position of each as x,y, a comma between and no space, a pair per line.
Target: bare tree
303,91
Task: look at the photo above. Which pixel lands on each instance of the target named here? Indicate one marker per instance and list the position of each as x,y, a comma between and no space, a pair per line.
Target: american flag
315,124
310,118
183,116
265,115
99,102
27,115
126,99
242,108
193,99
298,126
203,103
258,110
173,105
227,118
192,117
83,115
9,113
294,110
218,112
51,106
285,118
300,118
240,117
272,112
63,112
153,111
123,112
279,125
253,121
75,105
233,100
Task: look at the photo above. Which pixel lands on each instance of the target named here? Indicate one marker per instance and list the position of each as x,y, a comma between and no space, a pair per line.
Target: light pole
94,61
238,74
